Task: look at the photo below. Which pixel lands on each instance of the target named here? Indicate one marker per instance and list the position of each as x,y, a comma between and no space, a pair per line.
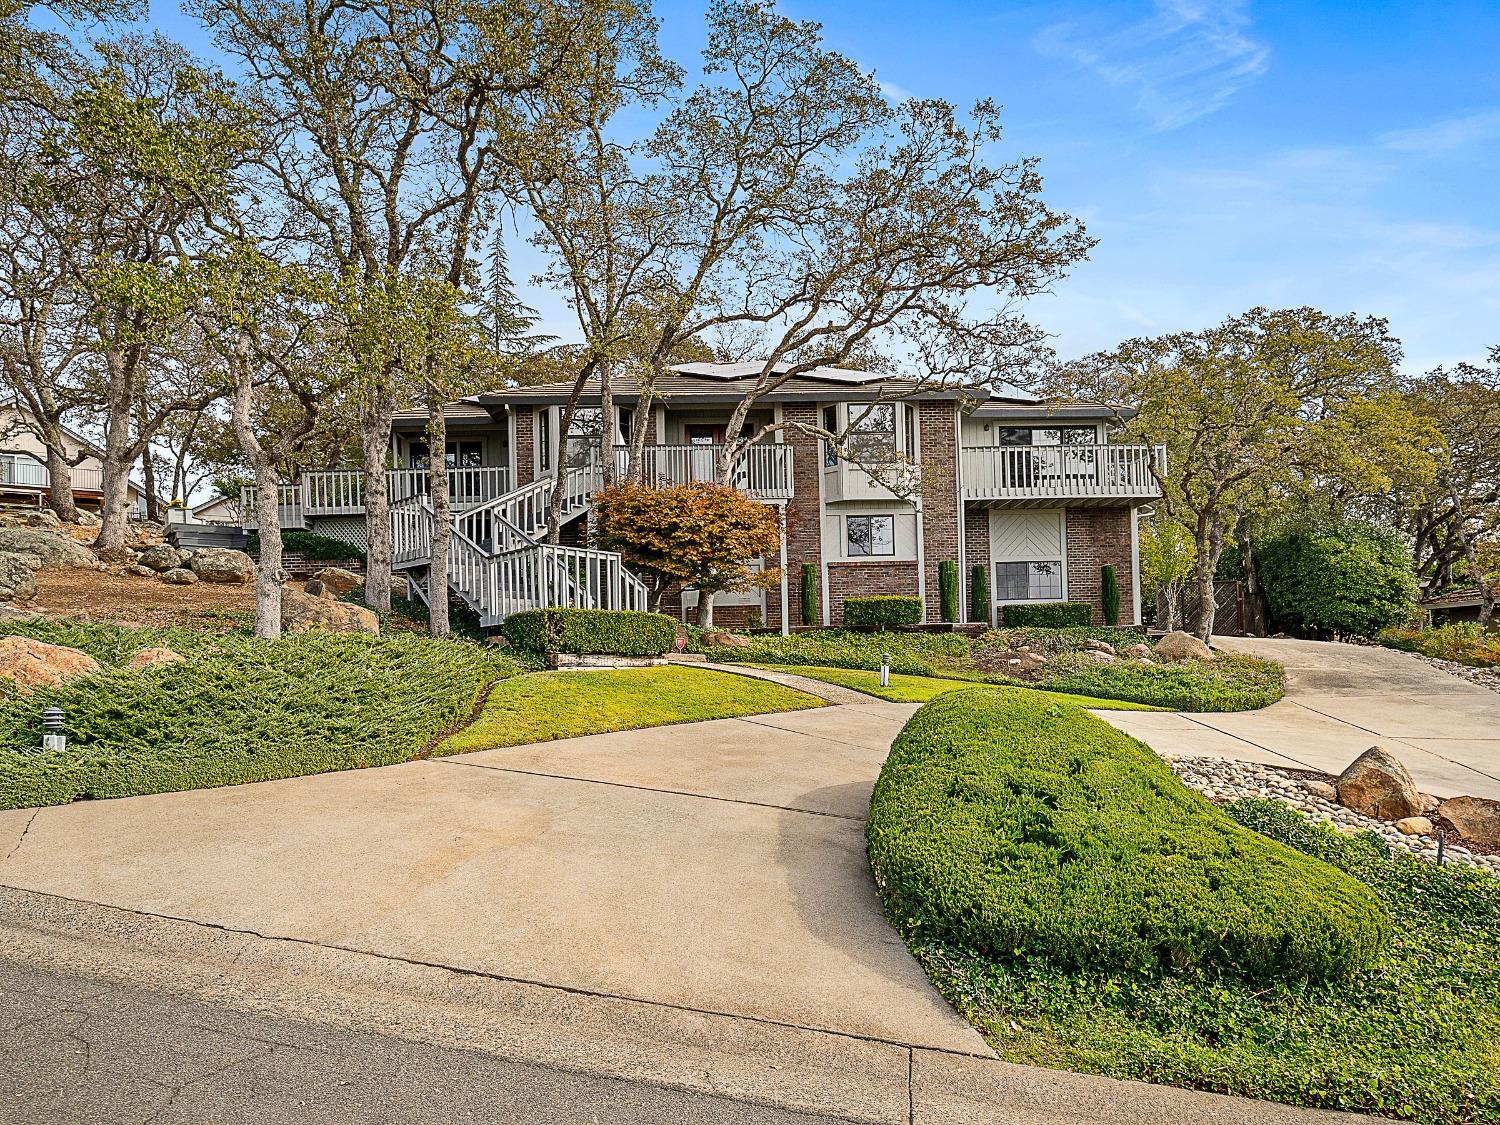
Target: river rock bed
1222,780
1484,677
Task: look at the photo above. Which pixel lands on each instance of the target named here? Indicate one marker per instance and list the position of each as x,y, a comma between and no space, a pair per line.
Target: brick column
1099,537
804,529
525,444
976,550
939,493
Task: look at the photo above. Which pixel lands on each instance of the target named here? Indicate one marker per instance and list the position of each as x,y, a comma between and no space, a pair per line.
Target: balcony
341,492
1031,475
18,471
762,472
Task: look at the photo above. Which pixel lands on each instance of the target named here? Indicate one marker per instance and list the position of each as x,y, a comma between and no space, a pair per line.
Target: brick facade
868,579
804,524
1099,537
976,552
525,445
939,493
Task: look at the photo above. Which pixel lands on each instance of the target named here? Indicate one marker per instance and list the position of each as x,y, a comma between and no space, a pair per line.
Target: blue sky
1340,155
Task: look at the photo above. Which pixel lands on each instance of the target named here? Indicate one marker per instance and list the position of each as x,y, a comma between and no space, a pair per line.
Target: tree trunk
269,574
60,486
148,478
1471,556
607,436
703,617
1210,547
375,438
114,509
442,516
119,455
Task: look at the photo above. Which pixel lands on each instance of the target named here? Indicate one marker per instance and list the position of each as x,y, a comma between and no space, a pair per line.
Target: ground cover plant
1412,1037
1463,643
551,705
921,689
237,709
1022,827
1231,683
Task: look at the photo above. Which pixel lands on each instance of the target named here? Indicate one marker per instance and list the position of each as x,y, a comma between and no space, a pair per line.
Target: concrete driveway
1342,699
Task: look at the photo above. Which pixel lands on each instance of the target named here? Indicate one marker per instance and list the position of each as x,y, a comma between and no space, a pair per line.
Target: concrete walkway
686,908
1341,700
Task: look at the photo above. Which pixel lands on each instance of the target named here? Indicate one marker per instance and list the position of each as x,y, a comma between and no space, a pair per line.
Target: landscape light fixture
885,669
52,730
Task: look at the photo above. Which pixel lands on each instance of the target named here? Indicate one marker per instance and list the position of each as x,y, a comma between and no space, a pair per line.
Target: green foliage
1109,596
1046,615
1463,643
921,689
549,705
882,611
310,545
596,632
1233,682
979,592
809,594
1352,580
238,709
948,589
1022,828
1411,1037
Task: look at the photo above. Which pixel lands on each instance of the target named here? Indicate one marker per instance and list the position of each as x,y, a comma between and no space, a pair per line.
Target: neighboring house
1458,605
1032,491
23,465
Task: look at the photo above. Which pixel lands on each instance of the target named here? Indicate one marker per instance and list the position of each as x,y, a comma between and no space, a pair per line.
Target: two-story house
1032,491
23,464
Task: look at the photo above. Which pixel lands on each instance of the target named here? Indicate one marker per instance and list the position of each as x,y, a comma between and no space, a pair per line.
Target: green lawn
237,710
550,705
920,689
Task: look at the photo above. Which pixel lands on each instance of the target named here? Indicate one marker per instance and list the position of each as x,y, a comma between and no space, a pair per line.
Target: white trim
1135,561
958,494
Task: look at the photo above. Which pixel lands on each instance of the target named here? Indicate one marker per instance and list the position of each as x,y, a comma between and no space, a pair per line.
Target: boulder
44,549
1414,826
150,657
1377,784
317,589
1429,804
222,564
163,556
33,664
1139,652
339,580
1475,819
88,519
1321,789
1177,647
140,571
178,576
43,517
718,638
1099,656
1099,646
17,582
304,613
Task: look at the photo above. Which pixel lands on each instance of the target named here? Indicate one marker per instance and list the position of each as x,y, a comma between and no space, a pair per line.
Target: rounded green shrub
1351,581
590,632
1019,827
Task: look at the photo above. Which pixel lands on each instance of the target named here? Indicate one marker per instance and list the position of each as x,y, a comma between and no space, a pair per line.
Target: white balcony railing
341,492
763,472
1060,472
17,470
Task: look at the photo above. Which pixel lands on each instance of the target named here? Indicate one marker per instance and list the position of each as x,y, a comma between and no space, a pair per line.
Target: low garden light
885,669
53,737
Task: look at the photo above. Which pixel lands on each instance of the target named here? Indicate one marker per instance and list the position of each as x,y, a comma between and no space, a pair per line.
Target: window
831,424
544,438
1028,581
909,416
465,454
870,535
627,419
873,439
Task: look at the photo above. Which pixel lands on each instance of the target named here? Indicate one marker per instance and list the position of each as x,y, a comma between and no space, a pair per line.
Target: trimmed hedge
1109,596
590,632
948,590
1023,828
310,545
882,611
1046,615
809,594
979,593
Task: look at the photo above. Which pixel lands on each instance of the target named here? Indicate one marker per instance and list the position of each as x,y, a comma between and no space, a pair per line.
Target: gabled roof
1458,599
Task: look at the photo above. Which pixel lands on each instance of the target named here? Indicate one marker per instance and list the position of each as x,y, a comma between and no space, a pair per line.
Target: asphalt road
77,1049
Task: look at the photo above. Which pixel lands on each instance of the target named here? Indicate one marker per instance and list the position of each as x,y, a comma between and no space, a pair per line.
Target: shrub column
948,589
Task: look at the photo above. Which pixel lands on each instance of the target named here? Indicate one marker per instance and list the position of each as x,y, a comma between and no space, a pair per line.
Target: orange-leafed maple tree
700,535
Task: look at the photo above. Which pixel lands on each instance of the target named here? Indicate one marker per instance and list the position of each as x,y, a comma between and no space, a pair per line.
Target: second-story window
831,424
544,438
872,439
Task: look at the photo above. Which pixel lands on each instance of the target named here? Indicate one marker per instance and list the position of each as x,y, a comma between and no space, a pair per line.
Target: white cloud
894,92
1186,59
1445,136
